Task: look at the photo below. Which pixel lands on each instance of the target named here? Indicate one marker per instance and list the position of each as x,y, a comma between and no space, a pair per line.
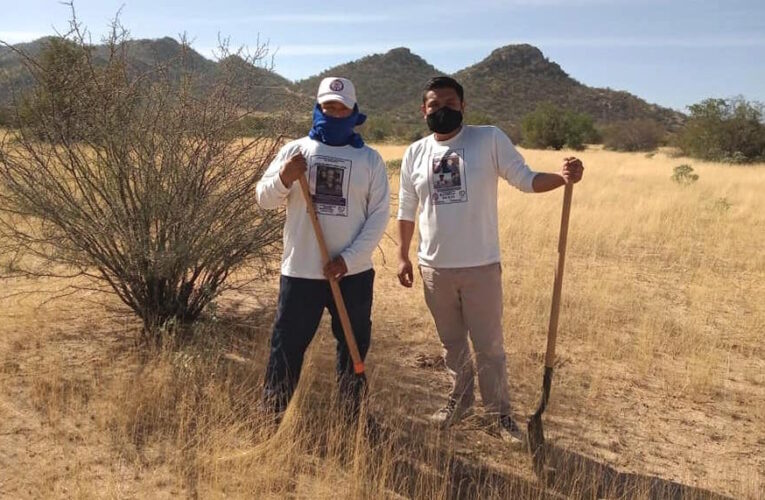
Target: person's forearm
405,233
544,182
285,183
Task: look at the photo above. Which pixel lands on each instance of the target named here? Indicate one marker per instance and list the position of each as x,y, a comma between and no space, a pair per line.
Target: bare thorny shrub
131,181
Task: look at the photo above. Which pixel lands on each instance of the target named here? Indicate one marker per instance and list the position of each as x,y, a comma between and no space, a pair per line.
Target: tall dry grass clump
192,408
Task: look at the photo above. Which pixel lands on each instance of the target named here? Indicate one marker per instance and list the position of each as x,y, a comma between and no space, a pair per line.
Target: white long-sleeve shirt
454,184
352,198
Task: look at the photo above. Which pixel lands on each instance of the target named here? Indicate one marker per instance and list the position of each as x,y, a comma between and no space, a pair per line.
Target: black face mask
445,120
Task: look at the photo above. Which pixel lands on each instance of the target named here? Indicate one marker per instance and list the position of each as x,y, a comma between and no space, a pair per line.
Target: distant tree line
727,130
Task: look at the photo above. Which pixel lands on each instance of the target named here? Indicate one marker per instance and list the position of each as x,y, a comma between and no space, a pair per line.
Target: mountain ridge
501,88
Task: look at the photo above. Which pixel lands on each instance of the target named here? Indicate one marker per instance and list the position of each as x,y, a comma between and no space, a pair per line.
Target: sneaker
509,431
450,414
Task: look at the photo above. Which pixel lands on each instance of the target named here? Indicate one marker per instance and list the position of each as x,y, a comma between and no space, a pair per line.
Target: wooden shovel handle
552,331
350,340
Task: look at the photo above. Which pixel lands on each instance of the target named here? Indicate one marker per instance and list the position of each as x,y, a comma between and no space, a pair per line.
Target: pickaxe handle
350,340
552,331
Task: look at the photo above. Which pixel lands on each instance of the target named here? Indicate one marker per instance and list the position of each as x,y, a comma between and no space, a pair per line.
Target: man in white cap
349,185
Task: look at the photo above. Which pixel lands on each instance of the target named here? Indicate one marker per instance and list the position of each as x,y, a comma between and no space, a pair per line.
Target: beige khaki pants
469,300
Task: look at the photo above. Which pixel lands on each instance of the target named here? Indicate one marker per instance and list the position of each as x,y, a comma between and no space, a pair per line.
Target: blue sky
672,53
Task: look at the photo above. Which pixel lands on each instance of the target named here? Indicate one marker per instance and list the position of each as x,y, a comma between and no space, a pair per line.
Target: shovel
350,340
536,435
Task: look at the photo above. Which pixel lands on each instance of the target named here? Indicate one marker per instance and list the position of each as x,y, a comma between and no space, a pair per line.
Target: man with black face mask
349,185
458,253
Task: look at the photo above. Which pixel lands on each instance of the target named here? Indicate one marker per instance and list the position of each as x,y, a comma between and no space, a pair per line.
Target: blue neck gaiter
337,131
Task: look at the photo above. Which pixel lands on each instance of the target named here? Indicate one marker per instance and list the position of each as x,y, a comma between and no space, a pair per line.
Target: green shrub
579,130
683,175
728,130
551,127
544,128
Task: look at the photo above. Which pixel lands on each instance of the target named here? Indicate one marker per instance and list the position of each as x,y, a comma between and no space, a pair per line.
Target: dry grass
661,366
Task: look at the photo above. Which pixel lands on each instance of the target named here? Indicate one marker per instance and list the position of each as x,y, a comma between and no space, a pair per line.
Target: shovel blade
536,443
535,429
536,433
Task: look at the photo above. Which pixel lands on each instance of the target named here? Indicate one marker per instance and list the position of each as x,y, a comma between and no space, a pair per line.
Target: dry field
661,369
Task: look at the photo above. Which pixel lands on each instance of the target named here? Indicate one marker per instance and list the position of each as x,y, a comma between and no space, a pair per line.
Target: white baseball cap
335,88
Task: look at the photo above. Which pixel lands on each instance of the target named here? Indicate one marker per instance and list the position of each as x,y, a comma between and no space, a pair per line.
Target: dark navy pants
301,305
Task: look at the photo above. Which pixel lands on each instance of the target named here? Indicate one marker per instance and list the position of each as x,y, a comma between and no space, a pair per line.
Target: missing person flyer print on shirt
329,180
447,178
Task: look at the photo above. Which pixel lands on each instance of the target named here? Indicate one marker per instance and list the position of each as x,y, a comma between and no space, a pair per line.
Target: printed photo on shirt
447,178
329,179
